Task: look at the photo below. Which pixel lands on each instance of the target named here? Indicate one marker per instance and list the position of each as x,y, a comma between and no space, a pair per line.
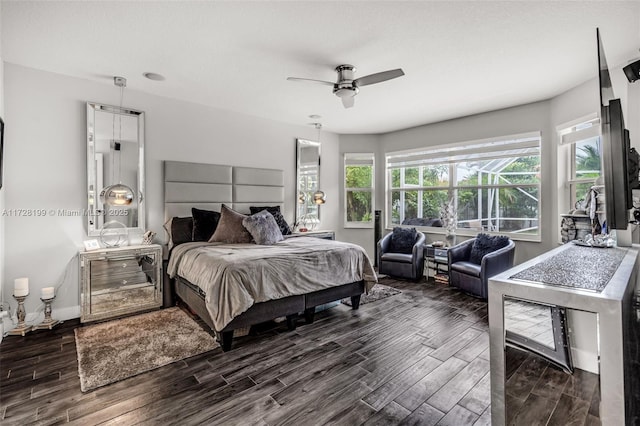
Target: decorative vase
451,239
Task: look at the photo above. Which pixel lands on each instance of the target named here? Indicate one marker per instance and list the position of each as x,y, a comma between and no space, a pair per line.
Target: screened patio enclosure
494,185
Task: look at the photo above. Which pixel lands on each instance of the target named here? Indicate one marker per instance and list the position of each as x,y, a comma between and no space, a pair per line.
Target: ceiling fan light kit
347,87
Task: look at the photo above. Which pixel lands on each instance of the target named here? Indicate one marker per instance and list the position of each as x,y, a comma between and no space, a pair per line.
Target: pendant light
319,197
119,194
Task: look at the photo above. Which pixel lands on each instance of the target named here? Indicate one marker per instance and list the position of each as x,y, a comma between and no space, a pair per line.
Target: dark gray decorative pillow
402,240
180,230
205,223
485,244
277,215
230,229
263,228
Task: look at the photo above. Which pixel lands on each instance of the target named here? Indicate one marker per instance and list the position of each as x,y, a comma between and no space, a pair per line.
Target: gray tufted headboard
208,186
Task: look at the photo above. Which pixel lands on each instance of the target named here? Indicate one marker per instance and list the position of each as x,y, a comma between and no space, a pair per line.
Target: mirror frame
299,144
92,108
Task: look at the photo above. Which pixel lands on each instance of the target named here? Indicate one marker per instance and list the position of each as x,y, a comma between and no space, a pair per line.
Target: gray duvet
235,276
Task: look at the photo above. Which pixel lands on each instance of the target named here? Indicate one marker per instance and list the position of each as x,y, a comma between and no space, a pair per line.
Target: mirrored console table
120,281
609,295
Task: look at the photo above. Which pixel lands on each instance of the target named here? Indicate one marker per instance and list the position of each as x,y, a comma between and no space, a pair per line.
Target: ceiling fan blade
328,83
378,77
348,101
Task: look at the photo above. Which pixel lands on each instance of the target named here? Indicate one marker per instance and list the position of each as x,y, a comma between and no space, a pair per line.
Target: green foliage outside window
472,182
359,203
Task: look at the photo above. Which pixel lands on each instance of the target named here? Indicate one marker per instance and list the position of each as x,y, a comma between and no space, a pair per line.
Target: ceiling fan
347,87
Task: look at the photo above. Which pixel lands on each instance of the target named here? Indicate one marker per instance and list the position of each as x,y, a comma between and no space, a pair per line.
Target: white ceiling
460,58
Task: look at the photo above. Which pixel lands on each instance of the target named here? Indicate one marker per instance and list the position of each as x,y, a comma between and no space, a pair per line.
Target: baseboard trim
585,360
61,314
32,318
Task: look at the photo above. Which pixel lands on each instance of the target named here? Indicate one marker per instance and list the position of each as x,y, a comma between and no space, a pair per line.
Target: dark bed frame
289,307
207,186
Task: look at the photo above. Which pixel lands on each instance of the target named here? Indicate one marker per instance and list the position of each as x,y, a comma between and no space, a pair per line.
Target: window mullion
482,186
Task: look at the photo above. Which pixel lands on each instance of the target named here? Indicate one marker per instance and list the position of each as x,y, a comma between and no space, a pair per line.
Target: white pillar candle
47,293
21,287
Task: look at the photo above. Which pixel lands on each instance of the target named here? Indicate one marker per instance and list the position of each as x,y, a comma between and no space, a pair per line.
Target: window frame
568,135
454,186
371,189
571,136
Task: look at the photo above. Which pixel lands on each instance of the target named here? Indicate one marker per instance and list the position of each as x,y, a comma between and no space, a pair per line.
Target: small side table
435,258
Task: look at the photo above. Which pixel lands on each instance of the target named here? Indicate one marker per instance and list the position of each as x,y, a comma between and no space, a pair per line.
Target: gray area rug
379,291
115,350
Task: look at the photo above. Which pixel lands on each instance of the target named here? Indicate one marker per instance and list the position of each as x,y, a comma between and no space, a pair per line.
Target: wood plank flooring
416,358
539,393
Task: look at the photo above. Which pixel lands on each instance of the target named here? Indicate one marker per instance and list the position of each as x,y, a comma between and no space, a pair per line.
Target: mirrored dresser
120,281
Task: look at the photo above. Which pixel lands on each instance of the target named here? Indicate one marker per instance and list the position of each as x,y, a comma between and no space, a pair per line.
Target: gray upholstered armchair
472,277
404,265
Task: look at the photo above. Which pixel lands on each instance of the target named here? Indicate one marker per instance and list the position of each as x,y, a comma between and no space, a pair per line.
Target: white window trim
452,187
567,139
372,190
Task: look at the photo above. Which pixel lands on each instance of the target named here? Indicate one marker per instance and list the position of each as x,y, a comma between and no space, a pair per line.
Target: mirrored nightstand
120,281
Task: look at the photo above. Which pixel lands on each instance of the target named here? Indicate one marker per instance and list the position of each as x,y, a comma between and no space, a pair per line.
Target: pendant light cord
115,147
113,157
120,136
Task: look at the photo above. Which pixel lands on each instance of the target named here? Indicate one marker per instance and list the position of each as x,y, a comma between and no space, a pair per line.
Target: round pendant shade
319,197
117,195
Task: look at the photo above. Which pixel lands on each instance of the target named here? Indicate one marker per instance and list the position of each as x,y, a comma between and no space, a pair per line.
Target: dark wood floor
539,393
417,358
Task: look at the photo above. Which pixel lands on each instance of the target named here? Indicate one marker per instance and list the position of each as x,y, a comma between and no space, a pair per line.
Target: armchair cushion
468,268
485,244
402,240
397,257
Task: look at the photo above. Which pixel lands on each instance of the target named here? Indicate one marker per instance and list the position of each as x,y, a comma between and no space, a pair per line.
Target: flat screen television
619,177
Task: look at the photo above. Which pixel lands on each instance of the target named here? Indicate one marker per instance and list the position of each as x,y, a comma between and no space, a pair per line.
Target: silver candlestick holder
48,322
22,328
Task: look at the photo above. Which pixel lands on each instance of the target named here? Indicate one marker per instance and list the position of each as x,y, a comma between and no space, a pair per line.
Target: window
494,185
359,190
582,144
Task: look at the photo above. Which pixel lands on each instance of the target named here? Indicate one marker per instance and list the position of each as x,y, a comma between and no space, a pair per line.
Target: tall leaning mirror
307,183
115,155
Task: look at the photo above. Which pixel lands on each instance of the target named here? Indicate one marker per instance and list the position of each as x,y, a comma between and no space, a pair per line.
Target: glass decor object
319,197
117,195
113,234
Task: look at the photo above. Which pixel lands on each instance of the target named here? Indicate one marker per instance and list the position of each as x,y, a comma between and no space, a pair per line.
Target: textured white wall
46,166
2,234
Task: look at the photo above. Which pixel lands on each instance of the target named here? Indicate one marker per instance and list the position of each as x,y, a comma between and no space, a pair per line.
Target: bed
233,286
